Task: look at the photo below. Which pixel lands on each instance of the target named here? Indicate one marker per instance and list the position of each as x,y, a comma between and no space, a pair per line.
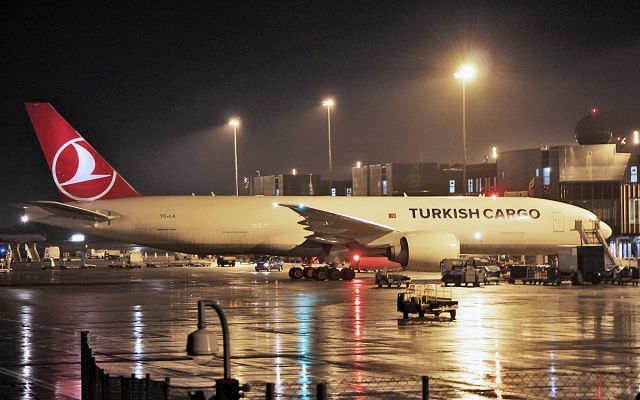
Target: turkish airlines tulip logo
76,173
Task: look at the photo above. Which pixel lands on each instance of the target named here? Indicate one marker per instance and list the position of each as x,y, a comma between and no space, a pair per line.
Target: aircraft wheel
334,274
296,273
308,272
453,314
347,274
320,274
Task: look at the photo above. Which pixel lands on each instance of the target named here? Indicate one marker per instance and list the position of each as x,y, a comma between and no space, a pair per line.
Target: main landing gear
322,273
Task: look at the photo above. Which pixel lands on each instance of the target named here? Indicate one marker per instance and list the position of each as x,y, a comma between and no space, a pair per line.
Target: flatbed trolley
426,299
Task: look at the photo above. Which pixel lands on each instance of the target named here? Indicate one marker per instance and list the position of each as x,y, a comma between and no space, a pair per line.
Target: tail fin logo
76,173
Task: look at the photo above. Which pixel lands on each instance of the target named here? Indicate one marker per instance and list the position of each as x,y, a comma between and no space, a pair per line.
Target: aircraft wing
332,228
70,211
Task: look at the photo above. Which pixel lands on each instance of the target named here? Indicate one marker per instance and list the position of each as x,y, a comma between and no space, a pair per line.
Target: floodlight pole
329,139
464,139
202,323
235,153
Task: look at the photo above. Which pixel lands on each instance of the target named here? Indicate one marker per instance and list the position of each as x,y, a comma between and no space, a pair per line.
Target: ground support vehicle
384,278
226,261
5,257
491,274
157,264
426,299
534,274
621,275
461,271
324,273
112,254
266,263
581,264
199,262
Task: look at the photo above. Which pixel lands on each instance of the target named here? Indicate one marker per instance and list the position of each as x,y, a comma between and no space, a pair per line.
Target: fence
99,385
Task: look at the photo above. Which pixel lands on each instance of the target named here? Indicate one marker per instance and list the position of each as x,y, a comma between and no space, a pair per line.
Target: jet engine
423,251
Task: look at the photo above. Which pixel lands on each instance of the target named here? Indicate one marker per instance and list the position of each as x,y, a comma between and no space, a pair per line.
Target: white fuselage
258,225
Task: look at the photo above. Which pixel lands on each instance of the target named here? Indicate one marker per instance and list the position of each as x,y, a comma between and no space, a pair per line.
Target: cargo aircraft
417,232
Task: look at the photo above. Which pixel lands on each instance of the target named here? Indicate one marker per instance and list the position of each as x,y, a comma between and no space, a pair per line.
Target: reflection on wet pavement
285,331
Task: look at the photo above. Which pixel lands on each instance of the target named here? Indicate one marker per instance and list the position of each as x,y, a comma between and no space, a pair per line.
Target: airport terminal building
422,179
600,173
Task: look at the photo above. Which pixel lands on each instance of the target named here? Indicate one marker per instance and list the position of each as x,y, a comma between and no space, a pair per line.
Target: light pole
234,122
202,345
329,104
466,73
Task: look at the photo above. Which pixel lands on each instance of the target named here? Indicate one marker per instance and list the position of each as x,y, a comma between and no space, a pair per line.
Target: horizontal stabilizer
70,211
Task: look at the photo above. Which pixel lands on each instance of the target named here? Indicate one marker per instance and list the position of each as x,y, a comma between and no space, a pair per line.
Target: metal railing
99,385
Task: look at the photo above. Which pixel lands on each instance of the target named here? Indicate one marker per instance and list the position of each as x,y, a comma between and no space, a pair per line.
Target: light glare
328,103
77,237
234,122
466,73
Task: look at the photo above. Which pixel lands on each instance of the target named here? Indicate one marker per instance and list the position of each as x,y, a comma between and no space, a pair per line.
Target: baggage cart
426,299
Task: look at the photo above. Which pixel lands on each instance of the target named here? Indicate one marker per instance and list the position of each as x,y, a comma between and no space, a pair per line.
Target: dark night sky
152,87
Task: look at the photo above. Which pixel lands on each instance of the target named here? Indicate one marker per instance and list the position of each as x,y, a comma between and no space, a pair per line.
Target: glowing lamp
77,237
466,73
328,102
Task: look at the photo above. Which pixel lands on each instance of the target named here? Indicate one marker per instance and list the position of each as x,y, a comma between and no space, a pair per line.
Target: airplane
417,232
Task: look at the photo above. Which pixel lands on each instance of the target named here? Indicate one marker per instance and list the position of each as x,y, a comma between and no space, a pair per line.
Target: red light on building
594,111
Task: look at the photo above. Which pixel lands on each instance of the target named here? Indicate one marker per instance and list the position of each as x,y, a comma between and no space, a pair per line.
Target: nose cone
606,230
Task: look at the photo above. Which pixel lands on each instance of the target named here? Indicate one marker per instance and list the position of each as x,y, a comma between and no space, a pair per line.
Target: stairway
591,234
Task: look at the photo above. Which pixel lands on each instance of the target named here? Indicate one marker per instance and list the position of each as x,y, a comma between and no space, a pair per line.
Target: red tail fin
79,172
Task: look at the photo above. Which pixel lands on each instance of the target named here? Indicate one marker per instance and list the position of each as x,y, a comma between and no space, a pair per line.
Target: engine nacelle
423,251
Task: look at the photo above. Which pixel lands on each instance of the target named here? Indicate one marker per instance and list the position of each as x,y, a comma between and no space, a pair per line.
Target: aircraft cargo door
558,222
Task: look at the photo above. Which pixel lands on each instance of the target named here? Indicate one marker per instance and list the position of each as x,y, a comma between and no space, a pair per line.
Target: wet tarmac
303,331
